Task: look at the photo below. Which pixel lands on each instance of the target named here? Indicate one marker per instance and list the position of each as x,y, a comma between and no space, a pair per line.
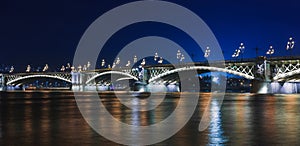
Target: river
53,118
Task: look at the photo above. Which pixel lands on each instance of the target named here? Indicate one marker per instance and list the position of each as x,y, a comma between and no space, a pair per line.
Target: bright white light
155,56
178,54
143,62
79,68
182,58
88,65
45,68
11,69
290,44
118,61
128,63
207,52
102,63
160,61
270,51
134,59
28,68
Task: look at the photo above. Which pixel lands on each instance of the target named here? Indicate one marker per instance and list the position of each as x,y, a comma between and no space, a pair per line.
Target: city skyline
36,33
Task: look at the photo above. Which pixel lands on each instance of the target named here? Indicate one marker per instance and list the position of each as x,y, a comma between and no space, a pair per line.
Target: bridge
266,75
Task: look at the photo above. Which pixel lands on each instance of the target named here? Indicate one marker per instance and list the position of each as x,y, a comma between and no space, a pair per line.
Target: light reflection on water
216,132
243,119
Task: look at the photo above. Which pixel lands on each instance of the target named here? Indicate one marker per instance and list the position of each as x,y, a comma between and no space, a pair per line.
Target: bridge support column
261,87
2,82
78,81
262,83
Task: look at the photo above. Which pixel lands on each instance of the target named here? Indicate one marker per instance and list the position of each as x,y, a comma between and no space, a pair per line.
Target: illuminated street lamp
242,49
236,53
28,68
160,61
79,68
68,67
84,68
290,44
11,69
118,61
62,68
155,56
207,52
128,63
73,69
270,51
178,54
45,68
135,59
143,62
182,58
102,63
88,65
114,65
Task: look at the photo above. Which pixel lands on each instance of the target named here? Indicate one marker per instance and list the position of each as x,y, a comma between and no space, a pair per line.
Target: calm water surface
243,119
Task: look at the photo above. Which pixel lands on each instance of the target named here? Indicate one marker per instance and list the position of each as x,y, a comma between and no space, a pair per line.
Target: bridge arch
286,75
11,82
201,68
111,72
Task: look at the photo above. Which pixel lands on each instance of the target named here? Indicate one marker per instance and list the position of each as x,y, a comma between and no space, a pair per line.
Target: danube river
53,118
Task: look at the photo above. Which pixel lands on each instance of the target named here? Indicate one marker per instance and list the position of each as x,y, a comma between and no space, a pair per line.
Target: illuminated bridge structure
274,75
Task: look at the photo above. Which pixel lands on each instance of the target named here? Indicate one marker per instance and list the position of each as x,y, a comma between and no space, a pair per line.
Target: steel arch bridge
277,69
16,78
245,70
246,74
283,70
125,74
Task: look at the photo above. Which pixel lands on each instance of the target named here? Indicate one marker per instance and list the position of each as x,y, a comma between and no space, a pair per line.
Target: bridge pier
262,83
2,82
261,87
78,81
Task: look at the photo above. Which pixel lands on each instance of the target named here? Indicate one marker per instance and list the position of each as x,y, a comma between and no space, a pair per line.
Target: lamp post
135,59
62,69
270,51
290,44
11,69
143,62
28,68
242,49
84,68
118,61
160,61
114,65
182,58
236,53
102,63
79,68
128,63
207,52
88,65
155,56
45,67
178,55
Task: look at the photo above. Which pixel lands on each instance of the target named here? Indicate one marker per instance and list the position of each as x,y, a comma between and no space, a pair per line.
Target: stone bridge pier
2,82
263,77
79,80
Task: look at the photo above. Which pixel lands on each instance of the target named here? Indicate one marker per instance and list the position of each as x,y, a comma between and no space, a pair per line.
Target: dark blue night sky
39,32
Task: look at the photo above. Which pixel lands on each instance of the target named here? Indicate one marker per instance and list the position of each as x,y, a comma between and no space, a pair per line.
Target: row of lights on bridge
180,57
290,45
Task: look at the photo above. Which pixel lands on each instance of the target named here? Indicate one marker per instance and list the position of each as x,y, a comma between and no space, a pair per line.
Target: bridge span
267,76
